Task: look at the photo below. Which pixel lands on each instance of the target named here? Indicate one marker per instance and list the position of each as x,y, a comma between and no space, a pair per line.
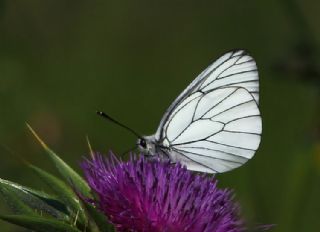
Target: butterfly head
146,145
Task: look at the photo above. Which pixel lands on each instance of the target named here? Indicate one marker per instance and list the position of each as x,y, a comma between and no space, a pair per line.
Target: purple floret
142,195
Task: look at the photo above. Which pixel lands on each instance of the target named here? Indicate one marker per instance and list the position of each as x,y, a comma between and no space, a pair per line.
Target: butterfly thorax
151,148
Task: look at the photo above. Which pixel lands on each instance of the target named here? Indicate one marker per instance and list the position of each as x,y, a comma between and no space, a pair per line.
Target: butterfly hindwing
215,125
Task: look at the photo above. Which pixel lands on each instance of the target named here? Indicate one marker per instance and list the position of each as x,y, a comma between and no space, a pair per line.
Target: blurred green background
60,61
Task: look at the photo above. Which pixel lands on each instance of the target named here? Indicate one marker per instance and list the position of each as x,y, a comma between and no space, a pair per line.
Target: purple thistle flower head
143,196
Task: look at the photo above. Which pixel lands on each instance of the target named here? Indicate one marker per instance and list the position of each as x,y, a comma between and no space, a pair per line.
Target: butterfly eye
143,143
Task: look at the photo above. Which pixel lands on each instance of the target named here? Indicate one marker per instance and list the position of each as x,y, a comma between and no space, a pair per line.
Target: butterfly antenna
104,115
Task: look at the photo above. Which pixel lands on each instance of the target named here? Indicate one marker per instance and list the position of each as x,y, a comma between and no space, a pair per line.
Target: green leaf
14,202
99,218
64,193
39,224
65,170
37,200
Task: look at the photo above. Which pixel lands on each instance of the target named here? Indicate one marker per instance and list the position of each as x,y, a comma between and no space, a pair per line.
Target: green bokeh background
60,61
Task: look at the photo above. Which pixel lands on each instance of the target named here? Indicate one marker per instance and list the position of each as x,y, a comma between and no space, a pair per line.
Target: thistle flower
143,195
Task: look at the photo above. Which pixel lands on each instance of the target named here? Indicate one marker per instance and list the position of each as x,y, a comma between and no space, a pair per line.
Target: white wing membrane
178,125
215,124
198,130
212,99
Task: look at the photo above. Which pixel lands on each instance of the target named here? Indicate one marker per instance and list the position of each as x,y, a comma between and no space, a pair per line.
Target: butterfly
214,125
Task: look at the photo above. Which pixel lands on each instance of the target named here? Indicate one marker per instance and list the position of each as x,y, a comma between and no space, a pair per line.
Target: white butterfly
214,125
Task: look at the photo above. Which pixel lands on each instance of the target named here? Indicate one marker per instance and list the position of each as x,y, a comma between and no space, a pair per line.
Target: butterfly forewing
214,125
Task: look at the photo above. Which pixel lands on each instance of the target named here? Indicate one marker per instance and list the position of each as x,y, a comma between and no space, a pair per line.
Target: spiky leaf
34,199
64,193
99,218
39,224
14,202
65,170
